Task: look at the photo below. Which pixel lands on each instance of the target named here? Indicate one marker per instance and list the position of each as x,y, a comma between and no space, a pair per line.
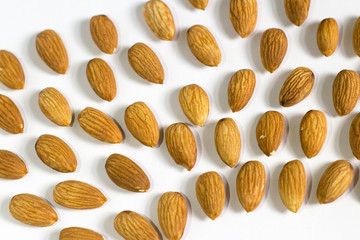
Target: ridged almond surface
32,210
243,16
335,181
273,47
99,125
346,91
78,195
11,73
11,165
145,63
327,36
181,144
199,4
356,37
78,233
270,131
172,214
354,136
203,45
52,51
292,185
297,10
10,116
104,33
250,185
55,106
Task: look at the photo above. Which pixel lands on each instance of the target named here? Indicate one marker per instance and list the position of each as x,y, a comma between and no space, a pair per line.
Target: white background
21,21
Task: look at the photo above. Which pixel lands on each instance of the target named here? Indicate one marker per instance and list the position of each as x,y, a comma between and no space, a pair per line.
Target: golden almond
356,37
10,116
243,16
11,72
199,4
104,33
11,165
78,233
297,10
327,36
354,136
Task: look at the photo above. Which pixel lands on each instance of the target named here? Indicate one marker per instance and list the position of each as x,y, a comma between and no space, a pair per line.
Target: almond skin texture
159,19
334,182
228,141
313,130
292,185
32,210
297,10
199,4
78,233
243,16
327,36
55,153
78,195
203,45
356,37
250,185
346,91
10,116
195,104
126,174
55,106
11,165
273,47
132,226
172,215
240,89
354,136
104,33
145,63
11,74
52,51
270,131
99,125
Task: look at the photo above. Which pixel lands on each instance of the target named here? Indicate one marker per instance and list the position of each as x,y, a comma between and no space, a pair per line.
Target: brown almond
11,72
78,233
199,4
297,10
354,136
356,37
11,165
243,16
327,36
104,33
10,116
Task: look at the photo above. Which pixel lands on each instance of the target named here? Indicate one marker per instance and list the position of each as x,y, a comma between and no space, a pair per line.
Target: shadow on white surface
279,10
224,18
342,144
234,204
251,135
83,29
33,159
278,80
309,39
36,111
152,213
191,195
253,52
227,195
293,137
144,26
347,44
172,100
5,214
108,227
221,102
316,176
210,152
325,87
274,196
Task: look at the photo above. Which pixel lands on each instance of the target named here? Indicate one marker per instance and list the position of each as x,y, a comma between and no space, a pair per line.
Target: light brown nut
356,37
243,16
78,233
327,36
199,4
11,74
10,116
11,165
354,136
297,10
104,33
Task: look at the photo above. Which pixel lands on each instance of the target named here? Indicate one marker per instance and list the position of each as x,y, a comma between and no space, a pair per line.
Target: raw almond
10,116
346,91
195,104
335,181
273,47
99,125
250,185
270,131
199,4
55,153
297,10
104,33
32,210
356,37
354,136
78,195
145,63
11,72
11,165
243,16
203,45
327,36
78,233
52,51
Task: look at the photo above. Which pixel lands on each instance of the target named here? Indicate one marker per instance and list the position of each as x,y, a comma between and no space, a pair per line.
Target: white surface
21,21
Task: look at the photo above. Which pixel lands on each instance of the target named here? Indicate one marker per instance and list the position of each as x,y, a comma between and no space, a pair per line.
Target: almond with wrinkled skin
11,72
346,91
32,210
10,116
243,16
335,181
327,36
203,45
78,233
104,33
273,47
145,63
296,87
55,153
199,4
78,195
11,165
172,214
132,226
270,131
354,136
313,130
250,185
297,10
195,104
52,51
55,106
356,37
99,125
240,89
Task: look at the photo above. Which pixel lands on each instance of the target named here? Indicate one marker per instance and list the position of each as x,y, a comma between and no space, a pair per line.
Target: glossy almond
11,72
297,10
327,36
104,33
199,4
10,116
354,136
356,37
243,16
78,233
11,165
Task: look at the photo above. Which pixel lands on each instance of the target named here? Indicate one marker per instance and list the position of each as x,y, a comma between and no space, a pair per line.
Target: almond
199,4
11,165
243,16
52,51
11,72
313,130
250,185
195,104
55,153
354,136
273,47
270,131
78,233
203,45
104,33
10,116
99,125
346,91
78,195
240,89
327,36
55,106
334,181
228,141
32,210
297,10
145,63
356,37
172,214
181,144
